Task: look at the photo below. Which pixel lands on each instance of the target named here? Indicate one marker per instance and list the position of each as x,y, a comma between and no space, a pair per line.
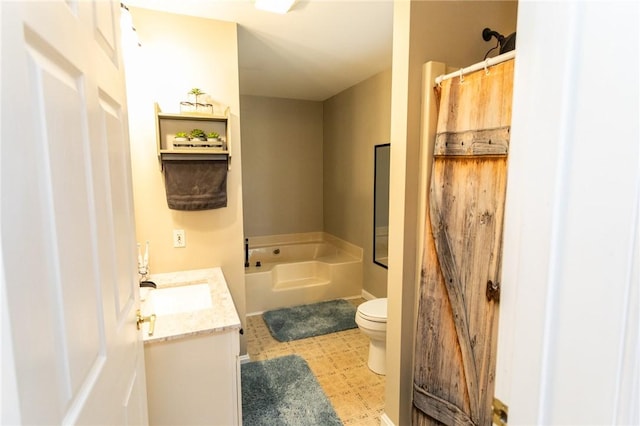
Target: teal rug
284,392
300,322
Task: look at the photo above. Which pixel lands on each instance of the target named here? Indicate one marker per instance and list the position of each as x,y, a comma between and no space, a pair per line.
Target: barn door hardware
493,291
500,412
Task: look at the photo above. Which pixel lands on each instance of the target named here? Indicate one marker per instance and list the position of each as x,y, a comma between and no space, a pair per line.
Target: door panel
105,29
68,241
457,318
114,139
52,79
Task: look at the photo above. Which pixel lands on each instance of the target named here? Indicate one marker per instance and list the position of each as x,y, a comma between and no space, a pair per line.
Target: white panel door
569,349
66,218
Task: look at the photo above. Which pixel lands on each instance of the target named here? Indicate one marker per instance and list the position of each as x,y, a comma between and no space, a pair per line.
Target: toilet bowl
371,318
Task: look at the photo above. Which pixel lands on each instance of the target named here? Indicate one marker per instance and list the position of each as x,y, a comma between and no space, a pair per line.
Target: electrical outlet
179,238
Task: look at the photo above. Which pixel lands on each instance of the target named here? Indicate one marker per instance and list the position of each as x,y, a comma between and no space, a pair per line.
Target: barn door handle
493,291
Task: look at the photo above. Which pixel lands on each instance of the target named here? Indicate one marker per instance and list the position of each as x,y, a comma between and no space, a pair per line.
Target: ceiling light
275,6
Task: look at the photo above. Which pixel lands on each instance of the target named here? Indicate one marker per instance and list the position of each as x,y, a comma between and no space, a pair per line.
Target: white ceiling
315,51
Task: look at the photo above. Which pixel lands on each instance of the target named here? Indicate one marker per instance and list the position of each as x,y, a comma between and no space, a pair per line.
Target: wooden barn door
459,291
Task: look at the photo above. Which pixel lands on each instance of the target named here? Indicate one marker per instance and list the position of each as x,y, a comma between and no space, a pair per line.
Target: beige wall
281,165
178,53
448,32
308,166
356,120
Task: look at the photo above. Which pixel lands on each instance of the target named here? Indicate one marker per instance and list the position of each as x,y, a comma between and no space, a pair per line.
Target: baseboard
385,420
244,359
359,296
367,296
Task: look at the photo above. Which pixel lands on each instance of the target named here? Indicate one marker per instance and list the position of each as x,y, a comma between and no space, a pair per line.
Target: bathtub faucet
246,253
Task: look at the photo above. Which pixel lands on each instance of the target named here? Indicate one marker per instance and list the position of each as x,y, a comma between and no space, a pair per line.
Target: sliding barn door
459,291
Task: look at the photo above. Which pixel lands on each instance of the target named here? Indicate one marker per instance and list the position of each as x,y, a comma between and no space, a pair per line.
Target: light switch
179,238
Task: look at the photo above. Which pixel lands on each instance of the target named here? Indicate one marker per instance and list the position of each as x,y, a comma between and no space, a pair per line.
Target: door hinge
500,412
493,291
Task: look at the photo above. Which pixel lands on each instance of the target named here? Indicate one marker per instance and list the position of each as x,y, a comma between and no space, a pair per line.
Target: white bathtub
295,273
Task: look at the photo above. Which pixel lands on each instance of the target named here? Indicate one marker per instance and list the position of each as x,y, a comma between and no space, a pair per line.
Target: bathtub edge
343,245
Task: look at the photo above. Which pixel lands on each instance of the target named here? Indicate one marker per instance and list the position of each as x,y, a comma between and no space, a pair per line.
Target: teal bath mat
300,322
284,392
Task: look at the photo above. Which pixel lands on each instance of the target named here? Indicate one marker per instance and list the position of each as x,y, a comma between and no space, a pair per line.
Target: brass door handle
151,319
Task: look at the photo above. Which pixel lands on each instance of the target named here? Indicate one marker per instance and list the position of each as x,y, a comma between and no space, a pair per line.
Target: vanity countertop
222,316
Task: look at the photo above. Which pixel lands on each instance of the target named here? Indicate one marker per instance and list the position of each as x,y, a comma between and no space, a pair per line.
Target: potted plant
198,134
212,136
196,92
181,138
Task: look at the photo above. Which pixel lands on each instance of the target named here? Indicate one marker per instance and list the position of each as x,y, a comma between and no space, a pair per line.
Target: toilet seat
374,310
371,318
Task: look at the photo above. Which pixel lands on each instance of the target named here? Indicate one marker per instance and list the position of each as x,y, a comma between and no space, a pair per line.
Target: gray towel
195,184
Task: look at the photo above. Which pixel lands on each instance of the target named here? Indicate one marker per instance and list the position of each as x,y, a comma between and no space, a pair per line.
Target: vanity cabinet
194,380
169,124
192,358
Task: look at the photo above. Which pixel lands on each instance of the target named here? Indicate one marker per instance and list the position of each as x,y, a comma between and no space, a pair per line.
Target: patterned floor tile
339,361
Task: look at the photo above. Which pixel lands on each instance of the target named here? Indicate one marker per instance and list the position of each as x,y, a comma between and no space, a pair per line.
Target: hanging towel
195,184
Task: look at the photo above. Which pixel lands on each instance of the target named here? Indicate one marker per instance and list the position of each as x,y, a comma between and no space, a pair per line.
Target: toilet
371,318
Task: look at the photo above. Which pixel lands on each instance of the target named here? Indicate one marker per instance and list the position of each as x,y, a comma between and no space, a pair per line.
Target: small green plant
196,92
213,135
182,135
197,134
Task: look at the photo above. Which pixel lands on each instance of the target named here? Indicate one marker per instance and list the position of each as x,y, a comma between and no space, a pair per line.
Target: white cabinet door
195,380
69,285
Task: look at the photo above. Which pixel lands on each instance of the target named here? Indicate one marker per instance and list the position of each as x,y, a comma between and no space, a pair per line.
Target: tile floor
339,361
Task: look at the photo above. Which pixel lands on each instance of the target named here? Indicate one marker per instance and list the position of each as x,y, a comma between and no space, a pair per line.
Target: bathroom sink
175,300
